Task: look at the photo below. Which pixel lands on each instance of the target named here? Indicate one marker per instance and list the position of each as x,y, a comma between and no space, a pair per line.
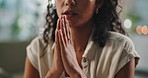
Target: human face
78,12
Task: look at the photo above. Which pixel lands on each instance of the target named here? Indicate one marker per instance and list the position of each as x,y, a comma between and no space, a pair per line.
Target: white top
97,62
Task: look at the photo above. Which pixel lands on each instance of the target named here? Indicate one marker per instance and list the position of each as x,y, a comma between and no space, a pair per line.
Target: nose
70,2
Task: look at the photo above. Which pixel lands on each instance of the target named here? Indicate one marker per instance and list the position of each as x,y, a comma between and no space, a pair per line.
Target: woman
83,39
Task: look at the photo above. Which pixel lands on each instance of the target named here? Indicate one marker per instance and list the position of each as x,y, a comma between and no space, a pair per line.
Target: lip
69,13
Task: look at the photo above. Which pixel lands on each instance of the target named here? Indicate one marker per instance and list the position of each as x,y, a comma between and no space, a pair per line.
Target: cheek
58,4
89,10
87,6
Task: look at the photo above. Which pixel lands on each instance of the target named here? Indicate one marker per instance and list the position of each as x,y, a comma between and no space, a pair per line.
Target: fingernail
60,17
63,21
59,30
65,17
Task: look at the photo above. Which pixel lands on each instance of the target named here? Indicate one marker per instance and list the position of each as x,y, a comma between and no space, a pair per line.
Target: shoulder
126,49
37,41
38,44
120,38
35,45
35,49
122,42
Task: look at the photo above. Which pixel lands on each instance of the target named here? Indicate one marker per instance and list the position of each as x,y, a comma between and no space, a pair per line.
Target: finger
57,40
66,26
57,29
56,35
70,36
68,30
61,40
60,43
63,52
63,30
58,24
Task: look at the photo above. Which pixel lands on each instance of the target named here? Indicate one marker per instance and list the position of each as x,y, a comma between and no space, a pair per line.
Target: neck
80,36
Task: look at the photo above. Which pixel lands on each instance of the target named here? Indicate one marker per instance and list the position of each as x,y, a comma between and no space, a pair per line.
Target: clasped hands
64,58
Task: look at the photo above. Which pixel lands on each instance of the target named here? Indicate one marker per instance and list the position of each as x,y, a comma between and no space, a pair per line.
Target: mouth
69,13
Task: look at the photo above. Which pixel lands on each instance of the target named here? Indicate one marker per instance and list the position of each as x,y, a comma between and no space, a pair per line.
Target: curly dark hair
106,20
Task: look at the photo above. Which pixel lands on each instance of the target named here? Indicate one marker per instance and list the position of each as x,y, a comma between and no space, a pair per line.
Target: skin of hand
68,54
57,66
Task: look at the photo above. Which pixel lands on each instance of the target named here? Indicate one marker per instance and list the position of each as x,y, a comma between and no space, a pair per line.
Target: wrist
78,74
53,74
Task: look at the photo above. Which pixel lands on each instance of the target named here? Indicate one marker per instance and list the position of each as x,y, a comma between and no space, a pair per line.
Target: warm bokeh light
144,30
138,29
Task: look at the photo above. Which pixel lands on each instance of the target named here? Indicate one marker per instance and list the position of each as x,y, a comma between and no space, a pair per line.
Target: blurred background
22,20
